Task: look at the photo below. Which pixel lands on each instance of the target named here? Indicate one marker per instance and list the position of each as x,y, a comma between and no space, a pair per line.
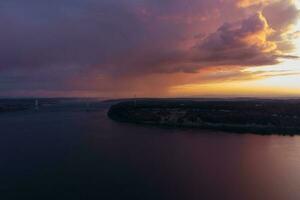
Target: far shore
253,116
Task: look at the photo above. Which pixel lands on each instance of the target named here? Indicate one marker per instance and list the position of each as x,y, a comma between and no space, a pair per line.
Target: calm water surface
74,154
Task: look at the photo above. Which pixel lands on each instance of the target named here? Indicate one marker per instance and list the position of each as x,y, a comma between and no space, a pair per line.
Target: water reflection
85,155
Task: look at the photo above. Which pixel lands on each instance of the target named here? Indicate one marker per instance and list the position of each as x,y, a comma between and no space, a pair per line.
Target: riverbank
253,116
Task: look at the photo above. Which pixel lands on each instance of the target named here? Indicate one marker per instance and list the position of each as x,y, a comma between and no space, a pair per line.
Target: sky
149,48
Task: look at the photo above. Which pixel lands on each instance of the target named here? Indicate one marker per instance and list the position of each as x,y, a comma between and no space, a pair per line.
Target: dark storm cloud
42,33
107,34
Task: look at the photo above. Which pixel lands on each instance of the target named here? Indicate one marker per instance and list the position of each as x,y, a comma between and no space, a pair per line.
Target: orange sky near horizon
276,85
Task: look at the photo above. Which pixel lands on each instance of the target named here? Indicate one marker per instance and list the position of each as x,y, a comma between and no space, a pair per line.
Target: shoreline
195,115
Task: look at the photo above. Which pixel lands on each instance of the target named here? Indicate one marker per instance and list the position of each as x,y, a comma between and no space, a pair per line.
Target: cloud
244,43
281,15
39,34
293,35
239,75
112,46
249,3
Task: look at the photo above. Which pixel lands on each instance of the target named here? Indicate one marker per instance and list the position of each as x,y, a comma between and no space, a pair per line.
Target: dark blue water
75,154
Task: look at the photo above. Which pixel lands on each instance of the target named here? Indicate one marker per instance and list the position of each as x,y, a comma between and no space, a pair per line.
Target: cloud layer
113,47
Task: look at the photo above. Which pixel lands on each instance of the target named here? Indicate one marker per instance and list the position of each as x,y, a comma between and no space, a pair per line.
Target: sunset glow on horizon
108,48
282,80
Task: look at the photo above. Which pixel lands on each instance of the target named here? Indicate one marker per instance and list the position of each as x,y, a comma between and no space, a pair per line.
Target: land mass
237,115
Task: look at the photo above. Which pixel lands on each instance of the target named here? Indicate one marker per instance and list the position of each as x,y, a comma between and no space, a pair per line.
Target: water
74,154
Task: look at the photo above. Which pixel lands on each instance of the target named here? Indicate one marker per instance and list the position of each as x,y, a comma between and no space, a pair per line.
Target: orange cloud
248,3
243,43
